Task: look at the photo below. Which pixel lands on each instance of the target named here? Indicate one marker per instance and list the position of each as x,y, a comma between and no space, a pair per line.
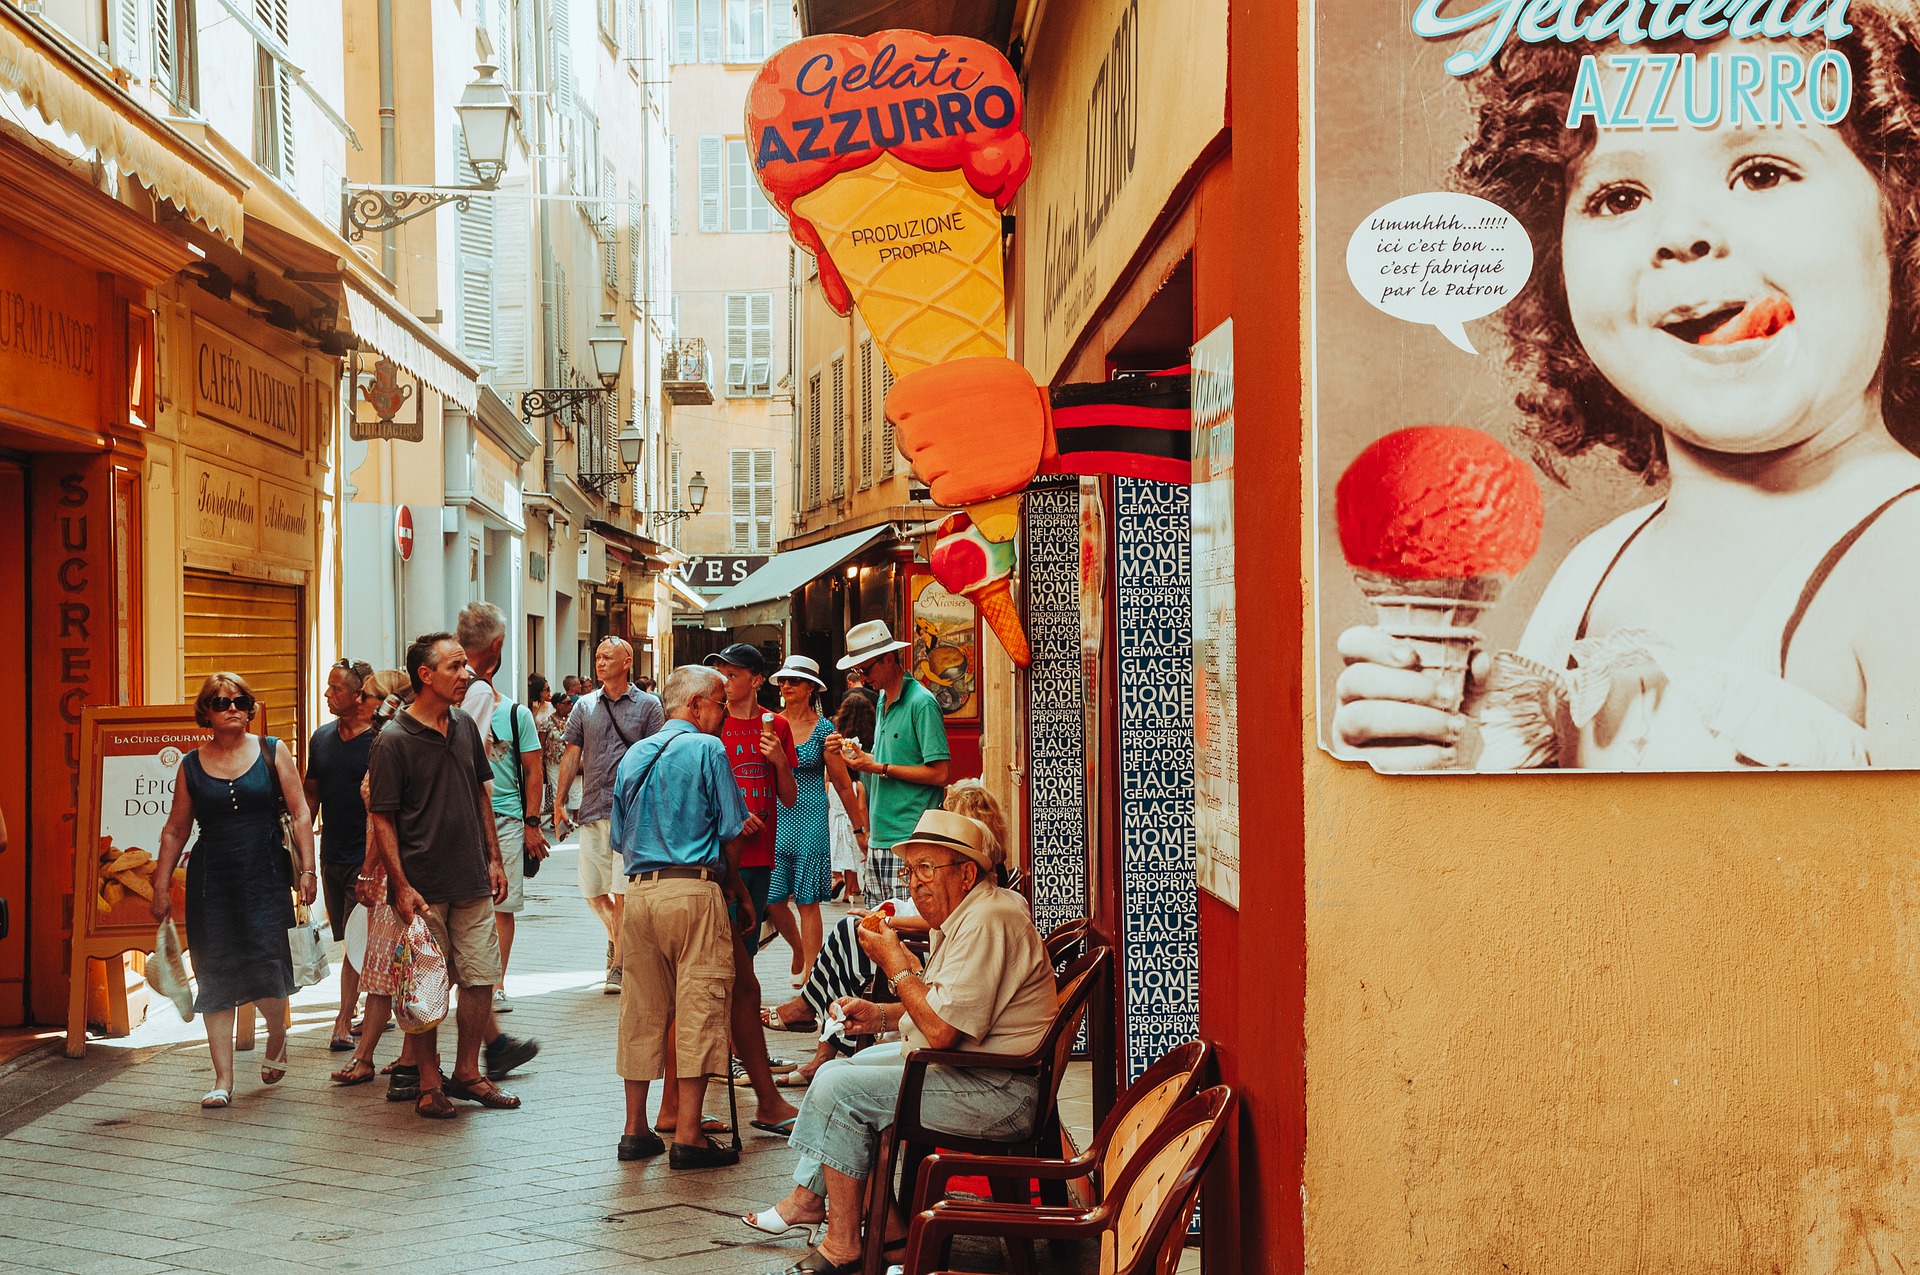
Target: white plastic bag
167,970
309,947
420,1003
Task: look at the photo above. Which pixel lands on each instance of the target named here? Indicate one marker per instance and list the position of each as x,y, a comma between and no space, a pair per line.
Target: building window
746,210
749,344
176,52
751,499
477,298
730,30
839,403
867,411
272,97
673,494
811,460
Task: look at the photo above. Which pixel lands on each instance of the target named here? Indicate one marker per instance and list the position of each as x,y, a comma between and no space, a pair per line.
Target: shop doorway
14,864
254,629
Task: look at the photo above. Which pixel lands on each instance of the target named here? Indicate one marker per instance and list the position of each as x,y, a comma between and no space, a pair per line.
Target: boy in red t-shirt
760,749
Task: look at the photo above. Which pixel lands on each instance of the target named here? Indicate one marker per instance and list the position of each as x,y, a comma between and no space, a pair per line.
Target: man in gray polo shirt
603,725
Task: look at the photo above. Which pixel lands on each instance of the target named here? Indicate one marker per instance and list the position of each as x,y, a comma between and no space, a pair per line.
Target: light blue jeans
851,1099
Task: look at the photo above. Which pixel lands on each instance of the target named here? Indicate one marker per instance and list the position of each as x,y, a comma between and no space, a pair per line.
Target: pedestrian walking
336,767
678,818
847,822
603,725
513,749
240,878
540,704
907,770
802,849
431,811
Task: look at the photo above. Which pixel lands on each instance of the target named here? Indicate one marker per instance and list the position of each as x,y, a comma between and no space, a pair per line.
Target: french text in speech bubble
1440,258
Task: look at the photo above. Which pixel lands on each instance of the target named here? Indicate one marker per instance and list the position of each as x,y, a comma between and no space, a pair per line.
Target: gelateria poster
1615,395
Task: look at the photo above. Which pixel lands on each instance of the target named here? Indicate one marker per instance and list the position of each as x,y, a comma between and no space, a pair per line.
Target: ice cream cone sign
975,556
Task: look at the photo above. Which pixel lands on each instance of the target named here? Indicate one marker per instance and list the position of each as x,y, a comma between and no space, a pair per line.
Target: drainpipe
386,125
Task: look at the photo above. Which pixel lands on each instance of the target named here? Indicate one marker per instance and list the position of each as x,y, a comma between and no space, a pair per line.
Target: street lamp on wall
609,347
486,114
696,498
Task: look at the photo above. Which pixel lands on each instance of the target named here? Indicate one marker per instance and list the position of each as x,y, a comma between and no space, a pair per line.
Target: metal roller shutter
253,629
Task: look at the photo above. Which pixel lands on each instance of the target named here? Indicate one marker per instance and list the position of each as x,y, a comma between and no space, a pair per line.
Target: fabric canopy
785,572
378,325
76,97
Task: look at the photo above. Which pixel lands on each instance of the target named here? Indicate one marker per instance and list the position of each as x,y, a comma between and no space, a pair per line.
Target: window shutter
760,342
738,322
475,270
839,426
562,58
283,94
812,459
887,449
673,318
564,326
525,44
781,34
636,256
673,183
740,498
710,30
711,150
610,227
673,480
686,24
866,414
125,42
513,259
164,71
502,36
763,498
630,34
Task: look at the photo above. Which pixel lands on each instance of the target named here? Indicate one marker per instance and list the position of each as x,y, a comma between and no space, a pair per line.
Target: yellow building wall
1611,1024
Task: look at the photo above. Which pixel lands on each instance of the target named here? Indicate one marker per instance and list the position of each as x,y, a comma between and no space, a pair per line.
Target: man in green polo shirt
908,768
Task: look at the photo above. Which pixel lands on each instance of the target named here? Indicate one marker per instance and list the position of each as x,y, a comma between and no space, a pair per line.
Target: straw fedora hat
864,641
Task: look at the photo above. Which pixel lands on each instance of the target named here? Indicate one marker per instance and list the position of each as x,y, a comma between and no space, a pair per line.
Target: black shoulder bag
529,864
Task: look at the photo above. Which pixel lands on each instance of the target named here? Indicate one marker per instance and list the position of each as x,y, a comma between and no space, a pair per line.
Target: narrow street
108,1165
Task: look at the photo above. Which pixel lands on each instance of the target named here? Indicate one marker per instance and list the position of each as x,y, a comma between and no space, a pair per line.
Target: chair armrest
907,1111
933,1227
937,1170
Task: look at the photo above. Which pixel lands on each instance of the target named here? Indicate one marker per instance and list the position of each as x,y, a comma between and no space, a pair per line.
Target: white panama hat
799,668
864,641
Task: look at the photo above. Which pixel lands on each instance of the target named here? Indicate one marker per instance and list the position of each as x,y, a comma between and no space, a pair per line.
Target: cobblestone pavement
108,1164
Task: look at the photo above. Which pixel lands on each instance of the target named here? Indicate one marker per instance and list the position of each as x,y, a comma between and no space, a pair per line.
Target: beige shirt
988,976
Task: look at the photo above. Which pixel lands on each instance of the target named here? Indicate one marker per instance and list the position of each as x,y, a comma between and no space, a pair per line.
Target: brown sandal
482,1091
435,1105
351,1073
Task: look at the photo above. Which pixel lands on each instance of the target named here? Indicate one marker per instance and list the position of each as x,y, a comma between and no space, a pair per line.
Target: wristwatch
532,821
893,984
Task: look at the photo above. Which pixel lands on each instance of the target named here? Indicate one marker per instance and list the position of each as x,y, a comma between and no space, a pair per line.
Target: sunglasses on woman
221,703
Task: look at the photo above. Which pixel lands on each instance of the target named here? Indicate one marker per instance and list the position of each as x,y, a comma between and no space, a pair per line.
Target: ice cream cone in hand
1434,520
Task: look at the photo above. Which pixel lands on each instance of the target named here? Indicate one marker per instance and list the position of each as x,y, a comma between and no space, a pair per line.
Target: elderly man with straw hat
987,987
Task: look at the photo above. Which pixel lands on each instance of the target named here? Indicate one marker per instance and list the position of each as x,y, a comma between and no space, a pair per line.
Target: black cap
741,655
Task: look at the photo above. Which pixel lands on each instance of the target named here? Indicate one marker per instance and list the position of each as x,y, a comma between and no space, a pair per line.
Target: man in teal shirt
908,767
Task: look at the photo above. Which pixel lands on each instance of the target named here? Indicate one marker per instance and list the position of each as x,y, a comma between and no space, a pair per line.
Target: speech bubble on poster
1441,259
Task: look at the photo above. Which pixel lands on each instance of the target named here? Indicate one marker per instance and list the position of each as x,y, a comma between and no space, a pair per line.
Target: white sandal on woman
217,1098
769,1222
278,1066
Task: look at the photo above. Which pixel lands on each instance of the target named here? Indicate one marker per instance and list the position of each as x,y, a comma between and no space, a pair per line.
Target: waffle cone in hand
994,601
1437,618
920,253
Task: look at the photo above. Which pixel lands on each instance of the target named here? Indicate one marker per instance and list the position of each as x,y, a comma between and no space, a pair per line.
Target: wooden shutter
812,459
124,43
164,71
686,26
609,227
763,499
839,378
780,35
474,264
253,629
673,183
673,318
636,256
887,448
738,354
630,34
512,284
563,59
283,90
712,149
710,30
760,342
865,391
740,498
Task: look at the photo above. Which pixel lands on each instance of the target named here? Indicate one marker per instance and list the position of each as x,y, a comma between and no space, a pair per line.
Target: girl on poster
1735,310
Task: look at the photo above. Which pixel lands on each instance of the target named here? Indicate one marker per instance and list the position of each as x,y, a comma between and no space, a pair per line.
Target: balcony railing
686,372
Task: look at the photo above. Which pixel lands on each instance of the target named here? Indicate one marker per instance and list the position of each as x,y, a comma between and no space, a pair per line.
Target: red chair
909,1141
1140,1226
1142,1109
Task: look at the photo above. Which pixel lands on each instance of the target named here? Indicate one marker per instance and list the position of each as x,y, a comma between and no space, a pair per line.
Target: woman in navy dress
238,877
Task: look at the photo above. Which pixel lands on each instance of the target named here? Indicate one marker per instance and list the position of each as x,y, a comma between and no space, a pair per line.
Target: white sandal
217,1098
274,1064
769,1222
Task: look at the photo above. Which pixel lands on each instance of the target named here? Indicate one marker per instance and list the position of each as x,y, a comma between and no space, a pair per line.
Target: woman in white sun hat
802,853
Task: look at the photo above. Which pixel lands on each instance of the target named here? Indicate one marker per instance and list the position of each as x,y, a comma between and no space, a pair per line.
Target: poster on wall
1614,396
946,647
1216,675
1056,763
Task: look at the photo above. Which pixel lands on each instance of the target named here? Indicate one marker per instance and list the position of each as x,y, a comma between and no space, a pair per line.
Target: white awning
786,572
395,335
77,97
678,587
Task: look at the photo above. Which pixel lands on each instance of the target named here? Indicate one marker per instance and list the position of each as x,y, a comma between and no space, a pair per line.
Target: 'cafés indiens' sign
243,387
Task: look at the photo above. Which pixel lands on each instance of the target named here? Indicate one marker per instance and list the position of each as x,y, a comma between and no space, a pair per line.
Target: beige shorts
466,934
513,846
601,871
677,952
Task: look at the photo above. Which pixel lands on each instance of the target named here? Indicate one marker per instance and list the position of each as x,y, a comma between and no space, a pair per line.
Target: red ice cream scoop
1437,502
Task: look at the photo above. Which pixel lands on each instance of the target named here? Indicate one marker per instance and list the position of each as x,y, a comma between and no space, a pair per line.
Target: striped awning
382,327
76,96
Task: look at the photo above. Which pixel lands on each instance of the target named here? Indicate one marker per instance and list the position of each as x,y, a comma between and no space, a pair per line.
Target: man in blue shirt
677,821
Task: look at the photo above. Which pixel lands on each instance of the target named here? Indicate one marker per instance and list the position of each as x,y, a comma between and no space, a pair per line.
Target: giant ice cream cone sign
891,156
1435,520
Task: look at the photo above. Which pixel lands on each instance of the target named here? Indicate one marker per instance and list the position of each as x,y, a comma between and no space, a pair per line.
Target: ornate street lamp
696,497
486,115
609,347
